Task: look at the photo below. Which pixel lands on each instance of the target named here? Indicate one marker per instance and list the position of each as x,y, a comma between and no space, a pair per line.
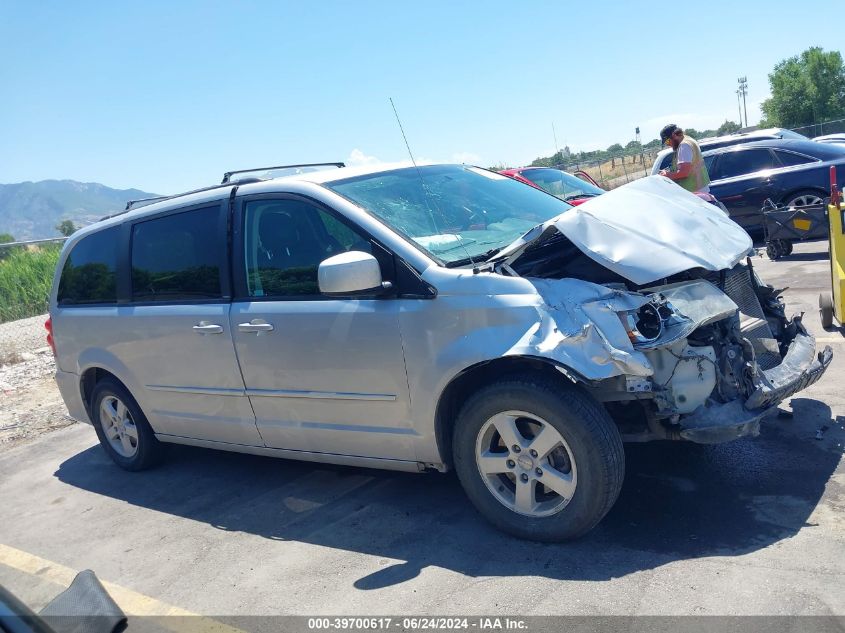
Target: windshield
561,184
459,214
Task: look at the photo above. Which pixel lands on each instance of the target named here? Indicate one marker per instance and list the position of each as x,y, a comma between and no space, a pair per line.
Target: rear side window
744,162
177,257
89,275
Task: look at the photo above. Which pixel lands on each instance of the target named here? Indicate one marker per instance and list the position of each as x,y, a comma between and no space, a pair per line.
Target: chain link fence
836,126
615,170
22,310
622,168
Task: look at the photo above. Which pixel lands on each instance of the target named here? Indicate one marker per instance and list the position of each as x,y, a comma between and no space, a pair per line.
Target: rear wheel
826,309
804,198
122,428
538,459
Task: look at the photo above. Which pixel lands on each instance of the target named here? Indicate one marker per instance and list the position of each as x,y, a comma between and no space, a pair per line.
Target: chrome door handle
256,325
203,327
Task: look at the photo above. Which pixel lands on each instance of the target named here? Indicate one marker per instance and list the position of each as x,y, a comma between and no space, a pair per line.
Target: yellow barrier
831,304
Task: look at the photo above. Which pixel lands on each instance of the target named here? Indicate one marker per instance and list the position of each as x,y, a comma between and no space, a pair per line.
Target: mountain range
31,210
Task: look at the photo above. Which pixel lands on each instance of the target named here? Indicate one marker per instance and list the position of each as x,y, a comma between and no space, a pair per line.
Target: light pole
743,90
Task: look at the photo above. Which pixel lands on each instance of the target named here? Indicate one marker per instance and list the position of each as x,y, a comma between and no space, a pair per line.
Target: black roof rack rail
228,175
131,204
134,204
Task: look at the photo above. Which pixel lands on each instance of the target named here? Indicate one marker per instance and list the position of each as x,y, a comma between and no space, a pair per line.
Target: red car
570,188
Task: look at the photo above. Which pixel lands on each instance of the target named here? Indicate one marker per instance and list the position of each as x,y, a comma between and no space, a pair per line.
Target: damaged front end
743,361
690,344
699,348
719,351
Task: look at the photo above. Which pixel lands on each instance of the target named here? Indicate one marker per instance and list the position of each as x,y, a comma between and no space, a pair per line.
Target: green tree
691,131
728,127
616,148
66,228
5,238
806,88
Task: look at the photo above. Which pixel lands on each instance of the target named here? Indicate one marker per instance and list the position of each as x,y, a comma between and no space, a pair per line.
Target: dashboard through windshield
455,212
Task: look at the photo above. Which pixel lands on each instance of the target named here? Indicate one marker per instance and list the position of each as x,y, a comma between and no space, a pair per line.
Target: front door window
285,242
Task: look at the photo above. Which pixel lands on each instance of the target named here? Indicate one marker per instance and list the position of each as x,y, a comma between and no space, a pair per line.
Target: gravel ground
26,335
30,403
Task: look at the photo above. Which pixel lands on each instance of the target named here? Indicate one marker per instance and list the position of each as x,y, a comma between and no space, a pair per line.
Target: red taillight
48,325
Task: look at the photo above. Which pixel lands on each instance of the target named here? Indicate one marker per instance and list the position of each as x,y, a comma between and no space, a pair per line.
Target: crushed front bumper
800,368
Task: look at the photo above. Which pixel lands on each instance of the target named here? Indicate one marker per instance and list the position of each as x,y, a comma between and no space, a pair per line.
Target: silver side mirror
351,273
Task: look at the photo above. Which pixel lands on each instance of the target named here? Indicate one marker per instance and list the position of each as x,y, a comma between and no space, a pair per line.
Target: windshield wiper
482,257
580,195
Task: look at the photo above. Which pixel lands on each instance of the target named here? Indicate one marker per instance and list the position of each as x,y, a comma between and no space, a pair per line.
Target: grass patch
26,275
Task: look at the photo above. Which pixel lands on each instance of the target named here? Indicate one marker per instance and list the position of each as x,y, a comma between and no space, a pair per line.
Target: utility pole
739,105
557,149
743,90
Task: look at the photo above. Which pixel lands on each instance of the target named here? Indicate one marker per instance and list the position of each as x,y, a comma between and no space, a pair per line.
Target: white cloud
357,157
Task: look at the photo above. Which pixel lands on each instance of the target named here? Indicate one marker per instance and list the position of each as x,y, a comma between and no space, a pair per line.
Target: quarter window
89,274
177,257
788,159
285,241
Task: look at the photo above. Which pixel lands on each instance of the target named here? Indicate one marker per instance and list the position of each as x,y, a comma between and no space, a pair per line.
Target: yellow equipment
831,303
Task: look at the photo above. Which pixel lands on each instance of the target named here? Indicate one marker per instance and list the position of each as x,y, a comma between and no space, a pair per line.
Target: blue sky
166,96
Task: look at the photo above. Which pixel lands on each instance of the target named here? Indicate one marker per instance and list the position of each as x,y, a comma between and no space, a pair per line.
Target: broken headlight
648,323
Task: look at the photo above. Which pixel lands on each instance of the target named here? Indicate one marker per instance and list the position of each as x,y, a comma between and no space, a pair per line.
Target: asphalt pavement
756,526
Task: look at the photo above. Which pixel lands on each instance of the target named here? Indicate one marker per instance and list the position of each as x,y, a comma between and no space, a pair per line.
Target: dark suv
664,158
790,172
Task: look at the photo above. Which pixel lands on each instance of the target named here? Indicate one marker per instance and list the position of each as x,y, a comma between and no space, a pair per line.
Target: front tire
539,459
122,428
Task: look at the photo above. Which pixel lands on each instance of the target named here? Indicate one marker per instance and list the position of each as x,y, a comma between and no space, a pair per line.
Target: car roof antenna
428,197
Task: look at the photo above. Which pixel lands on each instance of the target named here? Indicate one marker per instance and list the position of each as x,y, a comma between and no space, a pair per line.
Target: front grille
753,323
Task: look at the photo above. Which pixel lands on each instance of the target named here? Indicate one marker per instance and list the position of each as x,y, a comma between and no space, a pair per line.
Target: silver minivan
425,317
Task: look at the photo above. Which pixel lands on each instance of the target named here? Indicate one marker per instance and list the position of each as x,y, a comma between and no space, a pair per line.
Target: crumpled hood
646,230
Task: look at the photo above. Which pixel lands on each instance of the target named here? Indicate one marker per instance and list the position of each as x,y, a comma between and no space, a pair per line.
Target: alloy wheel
526,463
118,426
805,200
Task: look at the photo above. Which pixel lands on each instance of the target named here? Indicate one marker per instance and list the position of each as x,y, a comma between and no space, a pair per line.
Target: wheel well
822,193
90,378
471,380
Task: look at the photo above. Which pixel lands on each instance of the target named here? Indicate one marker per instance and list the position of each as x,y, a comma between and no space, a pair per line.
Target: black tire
826,309
773,251
787,247
148,449
592,438
792,198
